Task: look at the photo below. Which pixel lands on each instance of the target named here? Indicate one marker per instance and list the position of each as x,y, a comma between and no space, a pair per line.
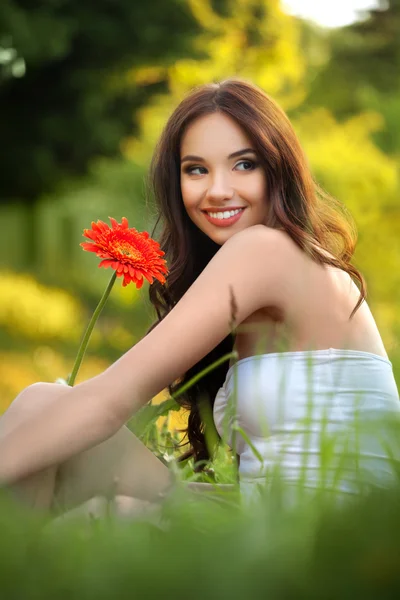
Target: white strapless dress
324,419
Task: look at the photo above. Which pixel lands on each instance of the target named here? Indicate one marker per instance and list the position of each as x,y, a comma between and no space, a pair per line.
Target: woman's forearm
78,419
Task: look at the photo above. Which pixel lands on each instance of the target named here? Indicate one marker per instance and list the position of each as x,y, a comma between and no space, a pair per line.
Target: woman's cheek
185,190
189,196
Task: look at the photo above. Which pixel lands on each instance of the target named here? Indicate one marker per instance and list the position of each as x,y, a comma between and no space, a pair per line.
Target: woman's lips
224,222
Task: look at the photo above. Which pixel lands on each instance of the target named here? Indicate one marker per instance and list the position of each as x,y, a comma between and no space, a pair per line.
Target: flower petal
132,254
89,246
148,277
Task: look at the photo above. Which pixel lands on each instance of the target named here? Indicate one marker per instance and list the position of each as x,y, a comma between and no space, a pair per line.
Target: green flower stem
88,332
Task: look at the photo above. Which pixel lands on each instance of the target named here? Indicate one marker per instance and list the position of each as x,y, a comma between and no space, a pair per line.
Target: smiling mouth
223,214
222,222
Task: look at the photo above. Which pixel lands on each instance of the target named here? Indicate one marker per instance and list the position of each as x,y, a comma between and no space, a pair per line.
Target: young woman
241,216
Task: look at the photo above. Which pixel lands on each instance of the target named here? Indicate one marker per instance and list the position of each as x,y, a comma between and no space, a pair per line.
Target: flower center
128,250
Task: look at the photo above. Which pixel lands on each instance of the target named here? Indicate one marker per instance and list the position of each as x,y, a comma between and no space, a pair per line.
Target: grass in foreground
205,548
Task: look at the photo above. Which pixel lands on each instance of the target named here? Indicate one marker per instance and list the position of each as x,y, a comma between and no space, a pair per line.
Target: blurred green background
85,88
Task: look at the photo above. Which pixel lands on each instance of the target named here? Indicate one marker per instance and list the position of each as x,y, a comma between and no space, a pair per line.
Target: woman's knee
28,403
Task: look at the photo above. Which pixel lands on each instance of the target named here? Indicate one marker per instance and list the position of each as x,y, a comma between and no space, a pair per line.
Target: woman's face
220,172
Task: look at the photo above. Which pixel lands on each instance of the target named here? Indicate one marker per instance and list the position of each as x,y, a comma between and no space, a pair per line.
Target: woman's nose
220,187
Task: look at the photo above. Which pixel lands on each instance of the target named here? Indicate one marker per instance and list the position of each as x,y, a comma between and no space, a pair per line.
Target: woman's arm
251,262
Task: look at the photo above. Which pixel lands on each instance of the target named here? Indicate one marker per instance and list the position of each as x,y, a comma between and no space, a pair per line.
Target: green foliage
362,62
75,99
314,550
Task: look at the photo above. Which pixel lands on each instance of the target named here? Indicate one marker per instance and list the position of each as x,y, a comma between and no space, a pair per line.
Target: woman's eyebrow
233,155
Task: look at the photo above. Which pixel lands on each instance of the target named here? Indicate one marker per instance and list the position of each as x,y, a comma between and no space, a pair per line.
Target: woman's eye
243,165
247,165
195,170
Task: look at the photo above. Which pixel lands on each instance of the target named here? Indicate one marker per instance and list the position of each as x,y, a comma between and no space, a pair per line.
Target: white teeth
225,215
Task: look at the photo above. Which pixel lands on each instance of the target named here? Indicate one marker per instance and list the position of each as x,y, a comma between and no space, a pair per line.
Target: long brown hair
313,219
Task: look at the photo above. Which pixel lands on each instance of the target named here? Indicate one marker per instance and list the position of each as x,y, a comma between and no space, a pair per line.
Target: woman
242,214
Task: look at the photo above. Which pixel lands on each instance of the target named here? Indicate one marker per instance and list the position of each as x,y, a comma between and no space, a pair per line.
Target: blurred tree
361,71
64,95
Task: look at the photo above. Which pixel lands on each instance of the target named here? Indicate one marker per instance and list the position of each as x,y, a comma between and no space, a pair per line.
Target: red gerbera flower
133,254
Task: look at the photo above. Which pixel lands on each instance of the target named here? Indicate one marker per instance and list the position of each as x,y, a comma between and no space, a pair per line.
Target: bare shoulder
267,237
261,233
266,255
272,246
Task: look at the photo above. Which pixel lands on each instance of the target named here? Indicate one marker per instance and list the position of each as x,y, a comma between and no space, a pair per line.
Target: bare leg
35,491
122,465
